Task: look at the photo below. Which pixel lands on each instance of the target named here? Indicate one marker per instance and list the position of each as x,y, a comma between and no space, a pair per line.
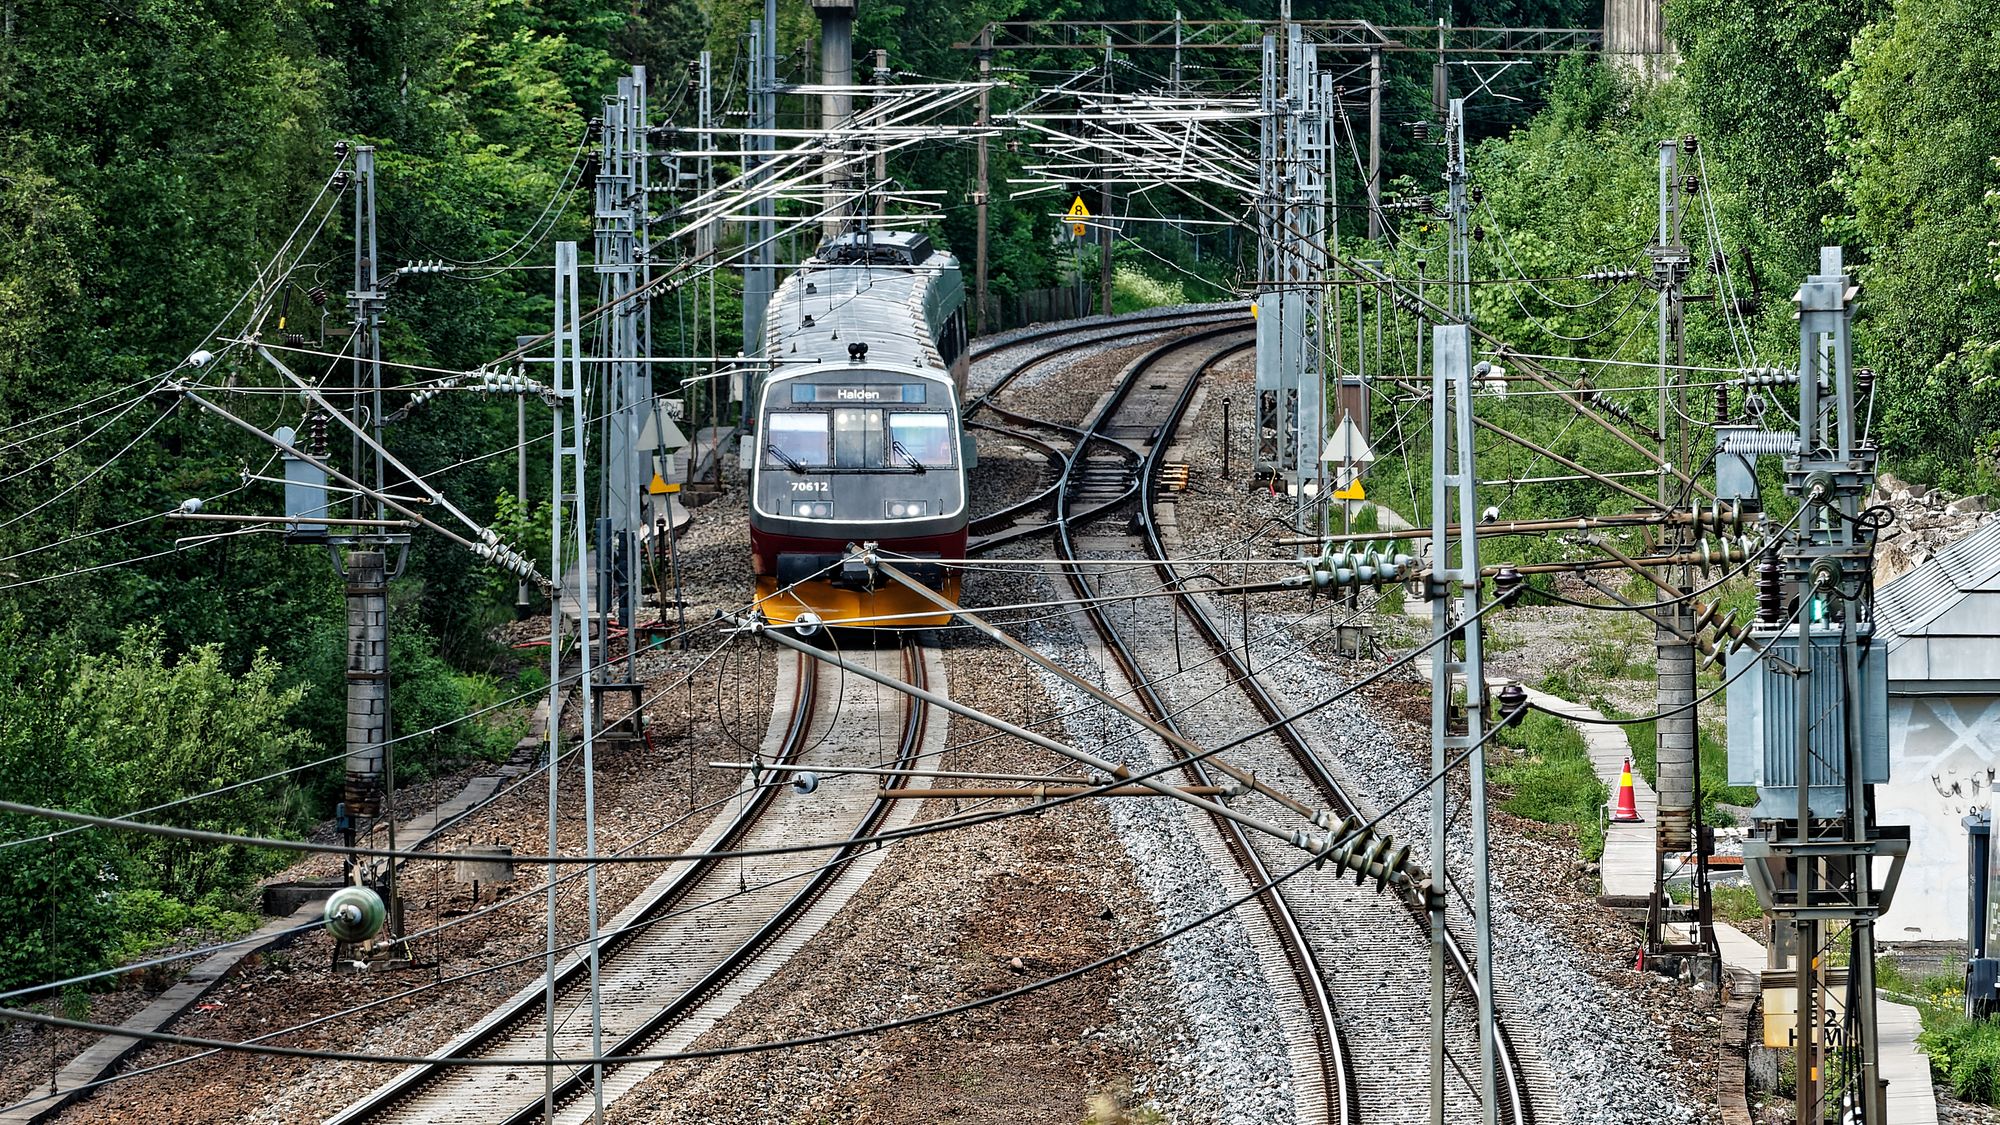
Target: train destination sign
858,392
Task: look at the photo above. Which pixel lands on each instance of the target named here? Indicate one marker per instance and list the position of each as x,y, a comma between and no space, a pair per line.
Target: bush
1964,1053
1736,903
127,730
1132,291
149,920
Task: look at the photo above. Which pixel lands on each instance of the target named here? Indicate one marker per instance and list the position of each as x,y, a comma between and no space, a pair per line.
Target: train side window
951,338
926,436
858,440
801,435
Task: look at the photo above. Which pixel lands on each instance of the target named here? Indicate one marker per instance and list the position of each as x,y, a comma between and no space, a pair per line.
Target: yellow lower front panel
887,607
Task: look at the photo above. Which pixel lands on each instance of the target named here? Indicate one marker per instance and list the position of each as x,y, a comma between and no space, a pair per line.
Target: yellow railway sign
1077,211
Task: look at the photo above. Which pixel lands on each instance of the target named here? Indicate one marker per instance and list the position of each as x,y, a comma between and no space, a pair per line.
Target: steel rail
577,1084
1338,1077
528,1004
1118,328
1518,1103
1010,529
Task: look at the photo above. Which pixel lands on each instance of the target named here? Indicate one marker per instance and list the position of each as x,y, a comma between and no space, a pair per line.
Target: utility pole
1104,207
366,301
881,209
1295,143
370,788
1451,394
760,274
719,395
1375,144
1458,295
982,189
1454,484
627,382
836,69
1809,728
366,578
1675,730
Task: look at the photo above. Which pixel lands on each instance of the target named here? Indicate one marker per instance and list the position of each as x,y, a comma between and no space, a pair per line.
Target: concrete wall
1944,751
1635,37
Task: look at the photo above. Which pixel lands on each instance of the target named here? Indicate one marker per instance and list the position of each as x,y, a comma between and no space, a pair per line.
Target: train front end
850,456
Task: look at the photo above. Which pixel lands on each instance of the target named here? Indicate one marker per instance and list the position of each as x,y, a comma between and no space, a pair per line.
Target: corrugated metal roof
1906,606
886,307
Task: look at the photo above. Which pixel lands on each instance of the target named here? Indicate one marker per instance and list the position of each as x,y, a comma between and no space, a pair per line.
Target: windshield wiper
783,458
899,449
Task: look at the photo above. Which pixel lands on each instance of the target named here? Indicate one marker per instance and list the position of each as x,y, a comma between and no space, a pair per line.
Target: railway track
707,932
1350,949
1329,1090
1111,485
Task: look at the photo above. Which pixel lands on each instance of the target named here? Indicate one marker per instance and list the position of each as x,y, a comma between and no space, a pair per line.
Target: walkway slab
101,1057
1628,860
1912,1099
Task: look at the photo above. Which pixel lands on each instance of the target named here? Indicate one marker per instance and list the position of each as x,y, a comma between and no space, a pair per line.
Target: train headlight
907,509
813,509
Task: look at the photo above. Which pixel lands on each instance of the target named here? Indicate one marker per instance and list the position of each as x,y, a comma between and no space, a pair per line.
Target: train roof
849,293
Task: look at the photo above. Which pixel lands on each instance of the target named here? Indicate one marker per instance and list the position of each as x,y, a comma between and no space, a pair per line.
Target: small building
1942,625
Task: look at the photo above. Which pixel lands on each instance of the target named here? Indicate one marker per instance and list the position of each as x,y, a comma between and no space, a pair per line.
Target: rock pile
1927,519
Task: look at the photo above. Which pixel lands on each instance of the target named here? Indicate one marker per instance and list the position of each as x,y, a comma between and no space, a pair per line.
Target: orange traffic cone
1627,811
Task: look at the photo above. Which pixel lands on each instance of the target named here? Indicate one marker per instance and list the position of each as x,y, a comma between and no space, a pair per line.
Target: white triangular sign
1347,446
660,433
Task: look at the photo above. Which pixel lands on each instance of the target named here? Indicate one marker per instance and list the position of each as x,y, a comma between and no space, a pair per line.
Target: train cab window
858,439
799,435
927,437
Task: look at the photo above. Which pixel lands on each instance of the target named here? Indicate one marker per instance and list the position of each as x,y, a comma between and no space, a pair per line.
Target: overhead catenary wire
310,847
786,1044
1762,654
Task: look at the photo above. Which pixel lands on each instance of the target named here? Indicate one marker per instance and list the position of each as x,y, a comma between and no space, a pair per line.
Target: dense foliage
155,156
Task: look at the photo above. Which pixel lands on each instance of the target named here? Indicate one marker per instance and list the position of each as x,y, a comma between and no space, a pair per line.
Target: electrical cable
46,837
1499,232
1762,655
143,380
786,1044
95,470
122,408
309,847
409,735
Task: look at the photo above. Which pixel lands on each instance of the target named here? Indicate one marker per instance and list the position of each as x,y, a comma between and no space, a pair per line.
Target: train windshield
858,439
797,436
926,437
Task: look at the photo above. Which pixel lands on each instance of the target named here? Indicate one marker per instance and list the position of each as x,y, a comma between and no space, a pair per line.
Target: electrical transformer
1764,723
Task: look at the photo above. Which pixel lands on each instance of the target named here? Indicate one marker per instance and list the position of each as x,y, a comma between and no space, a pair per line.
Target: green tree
172,728
1755,73
1915,138
56,913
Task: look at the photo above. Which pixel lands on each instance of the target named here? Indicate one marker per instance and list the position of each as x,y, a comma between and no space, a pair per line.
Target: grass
1964,1052
1735,903
1601,660
153,921
1551,778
